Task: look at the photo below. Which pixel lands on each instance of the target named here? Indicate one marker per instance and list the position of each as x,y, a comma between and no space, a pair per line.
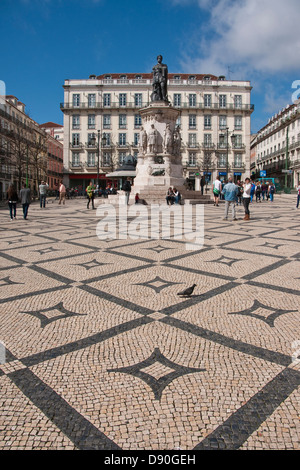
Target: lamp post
233,141
93,142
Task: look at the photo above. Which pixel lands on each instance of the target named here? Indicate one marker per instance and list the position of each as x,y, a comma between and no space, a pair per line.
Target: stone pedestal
159,163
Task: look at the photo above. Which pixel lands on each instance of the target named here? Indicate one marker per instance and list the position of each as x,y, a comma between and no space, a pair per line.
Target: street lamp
93,143
222,141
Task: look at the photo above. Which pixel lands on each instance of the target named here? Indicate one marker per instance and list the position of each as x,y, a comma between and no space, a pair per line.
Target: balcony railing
192,145
76,165
133,105
111,105
208,145
74,145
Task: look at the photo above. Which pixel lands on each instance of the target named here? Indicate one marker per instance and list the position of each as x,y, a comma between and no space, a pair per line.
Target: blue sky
45,42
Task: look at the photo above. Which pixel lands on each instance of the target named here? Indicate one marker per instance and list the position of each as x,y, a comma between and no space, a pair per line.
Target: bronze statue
160,81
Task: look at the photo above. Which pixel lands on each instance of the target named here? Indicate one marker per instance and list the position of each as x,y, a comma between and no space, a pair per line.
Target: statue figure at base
168,140
152,139
160,81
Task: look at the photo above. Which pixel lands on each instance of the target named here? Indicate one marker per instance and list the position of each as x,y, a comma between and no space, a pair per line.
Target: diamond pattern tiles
99,350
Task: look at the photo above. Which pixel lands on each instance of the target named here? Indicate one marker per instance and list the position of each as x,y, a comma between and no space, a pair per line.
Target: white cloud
250,36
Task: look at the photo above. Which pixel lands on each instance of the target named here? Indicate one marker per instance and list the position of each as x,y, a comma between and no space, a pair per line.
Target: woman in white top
247,197
217,187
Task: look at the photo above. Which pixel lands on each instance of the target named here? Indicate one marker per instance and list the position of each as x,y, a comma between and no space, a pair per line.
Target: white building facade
214,120
275,149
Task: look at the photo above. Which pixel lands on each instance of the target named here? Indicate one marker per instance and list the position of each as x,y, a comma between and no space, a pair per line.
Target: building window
122,99
137,121
90,136
177,99
238,123
192,140
107,136
222,101
75,159
138,99
106,159
106,99
192,99
192,159
207,122
222,122
207,101
238,143
136,138
122,156
222,159
106,121
192,121
238,101
207,140
75,140
91,160
91,121
76,121
76,100
238,161
122,121
122,139
91,100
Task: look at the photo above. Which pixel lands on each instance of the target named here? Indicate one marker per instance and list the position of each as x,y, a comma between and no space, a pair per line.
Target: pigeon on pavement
187,292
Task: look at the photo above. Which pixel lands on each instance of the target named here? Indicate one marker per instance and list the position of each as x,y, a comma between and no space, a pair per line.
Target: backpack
272,189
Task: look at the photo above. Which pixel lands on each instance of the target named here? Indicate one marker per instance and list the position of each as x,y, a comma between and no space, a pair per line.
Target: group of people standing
241,193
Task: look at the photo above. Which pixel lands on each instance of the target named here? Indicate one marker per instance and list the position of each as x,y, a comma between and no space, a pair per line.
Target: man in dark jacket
25,196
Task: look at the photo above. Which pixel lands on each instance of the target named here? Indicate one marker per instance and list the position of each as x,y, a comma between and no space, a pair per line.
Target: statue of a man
152,139
143,141
177,141
168,140
160,81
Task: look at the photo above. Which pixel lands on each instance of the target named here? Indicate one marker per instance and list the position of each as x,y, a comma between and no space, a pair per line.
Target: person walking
271,191
90,191
258,192
127,189
247,198
62,193
25,197
202,184
298,195
12,197
264,189
252,192
217,187
230,192
43,193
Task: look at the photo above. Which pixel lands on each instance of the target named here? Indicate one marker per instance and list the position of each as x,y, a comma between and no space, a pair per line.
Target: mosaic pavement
101,352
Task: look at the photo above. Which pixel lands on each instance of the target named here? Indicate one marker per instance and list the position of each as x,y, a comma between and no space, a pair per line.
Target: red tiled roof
50,124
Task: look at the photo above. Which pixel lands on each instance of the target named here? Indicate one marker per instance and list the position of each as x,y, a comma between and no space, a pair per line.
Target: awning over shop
121,174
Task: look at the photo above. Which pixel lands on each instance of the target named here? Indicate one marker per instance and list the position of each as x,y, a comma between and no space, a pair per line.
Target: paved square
99,351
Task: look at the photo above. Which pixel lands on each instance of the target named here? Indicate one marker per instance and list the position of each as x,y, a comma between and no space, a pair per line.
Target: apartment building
23,153
102,124
275,149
